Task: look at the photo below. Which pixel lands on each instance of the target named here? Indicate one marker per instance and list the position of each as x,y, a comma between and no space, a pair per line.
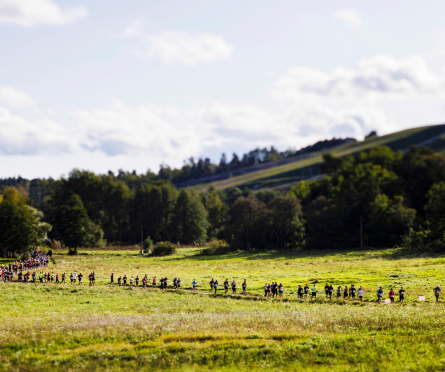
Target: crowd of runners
37,260
40,260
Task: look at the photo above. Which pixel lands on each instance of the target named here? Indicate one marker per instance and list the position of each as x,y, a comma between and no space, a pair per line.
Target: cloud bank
376,78
30,13
168,133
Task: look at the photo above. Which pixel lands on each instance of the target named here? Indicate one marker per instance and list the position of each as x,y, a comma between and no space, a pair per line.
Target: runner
361,293
179,283
119,281
194,285
80,276
314,291
265,290
391,295
124,280
112,279
437,293
300,292
144,281
57,279
131,281
211,285
215,285
63,278
137,280
326,290
331,290
94,277
154,282
226,286
234,287
380,294
306,291
72,278
174,283
346,293
401,295
353,290
339,293
245,287
281,290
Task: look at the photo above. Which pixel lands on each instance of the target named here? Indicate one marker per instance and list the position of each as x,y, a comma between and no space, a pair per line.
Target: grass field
65,327
292,172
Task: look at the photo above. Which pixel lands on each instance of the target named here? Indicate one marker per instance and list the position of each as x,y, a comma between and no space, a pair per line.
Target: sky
108,85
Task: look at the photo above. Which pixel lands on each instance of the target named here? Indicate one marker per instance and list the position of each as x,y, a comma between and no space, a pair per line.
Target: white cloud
19,136
136,28
350,16
164,133
35,12
376,78
15,98
177,46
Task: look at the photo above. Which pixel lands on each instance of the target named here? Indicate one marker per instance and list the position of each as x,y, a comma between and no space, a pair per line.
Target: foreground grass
64,327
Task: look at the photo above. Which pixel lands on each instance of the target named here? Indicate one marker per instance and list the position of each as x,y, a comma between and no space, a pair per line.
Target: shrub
147,245
217,247
56,245
164,249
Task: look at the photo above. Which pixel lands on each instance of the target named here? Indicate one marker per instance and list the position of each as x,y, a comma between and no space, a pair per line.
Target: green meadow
66,327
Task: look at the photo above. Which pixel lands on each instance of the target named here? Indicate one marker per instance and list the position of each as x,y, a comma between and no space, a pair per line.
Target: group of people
41,259
351,293
38,259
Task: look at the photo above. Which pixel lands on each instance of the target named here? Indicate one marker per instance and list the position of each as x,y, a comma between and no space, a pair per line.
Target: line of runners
270,289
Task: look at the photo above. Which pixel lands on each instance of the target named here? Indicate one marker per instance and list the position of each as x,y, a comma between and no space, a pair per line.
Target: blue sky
106,85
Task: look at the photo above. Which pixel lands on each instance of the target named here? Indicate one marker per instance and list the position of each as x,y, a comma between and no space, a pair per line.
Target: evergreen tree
189,220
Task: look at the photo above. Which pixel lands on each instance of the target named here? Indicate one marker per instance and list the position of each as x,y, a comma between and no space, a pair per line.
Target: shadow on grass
365,253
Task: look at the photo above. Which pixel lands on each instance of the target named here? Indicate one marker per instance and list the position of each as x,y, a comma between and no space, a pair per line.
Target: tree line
380,199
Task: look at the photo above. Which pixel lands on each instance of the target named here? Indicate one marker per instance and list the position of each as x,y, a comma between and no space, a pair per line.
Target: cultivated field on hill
66,327
289,173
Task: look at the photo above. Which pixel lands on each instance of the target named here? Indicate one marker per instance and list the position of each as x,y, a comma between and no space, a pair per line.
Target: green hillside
432,136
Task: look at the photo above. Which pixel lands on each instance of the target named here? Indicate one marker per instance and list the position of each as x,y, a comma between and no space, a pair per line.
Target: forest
377,199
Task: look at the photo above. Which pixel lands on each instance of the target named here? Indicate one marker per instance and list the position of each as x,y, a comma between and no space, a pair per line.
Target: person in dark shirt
306,291
401,295
326,290
331,290
353,290
300,292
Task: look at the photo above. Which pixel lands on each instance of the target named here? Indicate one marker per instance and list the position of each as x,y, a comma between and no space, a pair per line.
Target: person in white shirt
361,293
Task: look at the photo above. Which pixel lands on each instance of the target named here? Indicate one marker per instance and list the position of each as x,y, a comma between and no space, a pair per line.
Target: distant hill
285,172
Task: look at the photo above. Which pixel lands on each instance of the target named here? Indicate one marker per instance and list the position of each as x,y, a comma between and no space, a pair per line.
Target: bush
72,251
147,245
164,249
56,245
217,247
